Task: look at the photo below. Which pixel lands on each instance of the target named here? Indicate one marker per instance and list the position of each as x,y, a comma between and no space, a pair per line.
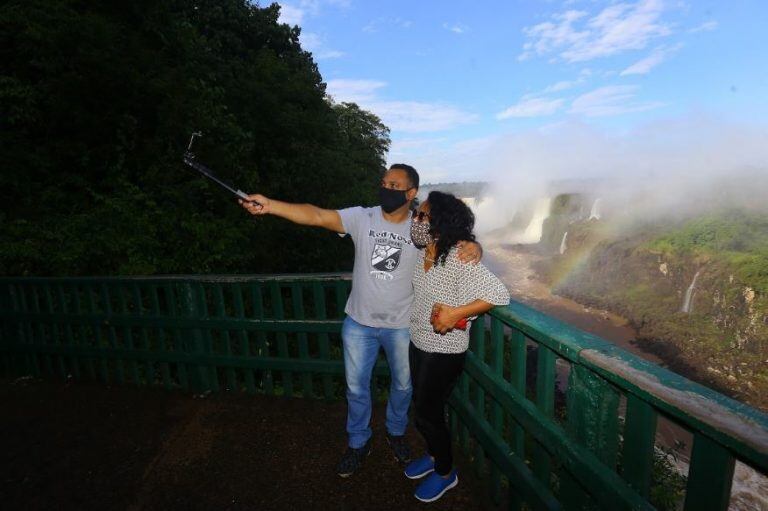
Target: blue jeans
361,348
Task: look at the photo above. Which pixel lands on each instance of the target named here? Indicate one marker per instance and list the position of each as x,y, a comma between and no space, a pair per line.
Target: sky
459,84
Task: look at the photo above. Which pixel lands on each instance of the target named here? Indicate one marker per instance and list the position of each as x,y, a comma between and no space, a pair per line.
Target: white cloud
644,66
353,91
420,117
404,146
568,84
441,160
574,36
611,100
704,27
316,44
559,86
456,28
329,54
386,23
405,116
291,15
294,13
532,107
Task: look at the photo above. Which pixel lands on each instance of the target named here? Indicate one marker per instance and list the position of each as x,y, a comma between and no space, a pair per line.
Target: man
378,309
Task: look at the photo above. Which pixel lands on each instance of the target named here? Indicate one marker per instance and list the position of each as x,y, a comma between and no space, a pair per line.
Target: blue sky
453,79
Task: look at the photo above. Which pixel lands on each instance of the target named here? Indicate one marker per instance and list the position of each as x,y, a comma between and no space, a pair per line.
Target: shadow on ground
87,446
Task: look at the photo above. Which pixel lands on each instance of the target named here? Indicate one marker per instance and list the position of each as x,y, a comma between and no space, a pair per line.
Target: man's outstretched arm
470,251
302,214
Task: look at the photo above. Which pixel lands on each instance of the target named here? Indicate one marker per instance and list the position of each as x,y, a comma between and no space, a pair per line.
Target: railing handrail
734,424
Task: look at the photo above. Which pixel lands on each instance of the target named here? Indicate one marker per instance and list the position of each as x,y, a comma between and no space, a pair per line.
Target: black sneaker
352,459
400,448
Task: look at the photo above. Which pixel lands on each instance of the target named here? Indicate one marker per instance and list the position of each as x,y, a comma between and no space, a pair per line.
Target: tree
97,102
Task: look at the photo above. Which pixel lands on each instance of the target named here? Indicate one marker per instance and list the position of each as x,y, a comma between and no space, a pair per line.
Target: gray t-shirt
382,289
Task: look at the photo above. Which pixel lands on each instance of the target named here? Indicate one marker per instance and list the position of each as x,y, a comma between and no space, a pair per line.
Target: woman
446,292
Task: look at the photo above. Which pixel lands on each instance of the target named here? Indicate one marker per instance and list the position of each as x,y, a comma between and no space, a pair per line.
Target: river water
513,265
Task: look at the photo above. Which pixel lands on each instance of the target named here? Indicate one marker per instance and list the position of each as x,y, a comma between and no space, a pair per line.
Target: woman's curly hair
450,221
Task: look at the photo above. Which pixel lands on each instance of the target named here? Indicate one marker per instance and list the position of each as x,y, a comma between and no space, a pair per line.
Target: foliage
738,238
668,485
97,103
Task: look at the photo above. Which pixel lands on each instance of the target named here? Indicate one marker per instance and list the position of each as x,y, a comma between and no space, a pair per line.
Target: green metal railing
550,416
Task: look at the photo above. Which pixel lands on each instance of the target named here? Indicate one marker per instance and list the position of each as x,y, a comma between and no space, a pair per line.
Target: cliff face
714,329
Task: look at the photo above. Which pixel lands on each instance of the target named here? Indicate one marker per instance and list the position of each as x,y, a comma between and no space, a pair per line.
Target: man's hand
259,206
469,252
444,318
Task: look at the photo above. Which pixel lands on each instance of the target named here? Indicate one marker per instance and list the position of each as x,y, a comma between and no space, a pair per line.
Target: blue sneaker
435,485
420,467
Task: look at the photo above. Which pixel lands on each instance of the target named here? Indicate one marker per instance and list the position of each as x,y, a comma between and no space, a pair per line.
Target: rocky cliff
696,289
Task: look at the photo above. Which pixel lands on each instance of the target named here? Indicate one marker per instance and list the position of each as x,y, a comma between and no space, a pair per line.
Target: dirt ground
88,446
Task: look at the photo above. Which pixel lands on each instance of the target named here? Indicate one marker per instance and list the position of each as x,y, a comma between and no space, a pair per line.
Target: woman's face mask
420,233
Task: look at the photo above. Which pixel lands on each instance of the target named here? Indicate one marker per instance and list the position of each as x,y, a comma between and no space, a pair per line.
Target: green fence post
19,361
710,476
7,334
190,308
297,302
278,312
128,344
139,311
545,401
86,331
55,333
207,350
106,299
266,380
42,359
478,336
28,333
244,351
65,313
497,418
324,344
593,420
230,376
161,346
639,438
517,380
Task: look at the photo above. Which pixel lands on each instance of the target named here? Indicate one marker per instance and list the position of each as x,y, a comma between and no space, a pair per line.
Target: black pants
433,376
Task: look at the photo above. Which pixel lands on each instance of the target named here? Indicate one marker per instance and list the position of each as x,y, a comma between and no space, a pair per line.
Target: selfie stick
189,159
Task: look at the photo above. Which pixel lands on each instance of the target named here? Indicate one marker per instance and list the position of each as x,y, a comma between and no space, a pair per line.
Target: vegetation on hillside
738,238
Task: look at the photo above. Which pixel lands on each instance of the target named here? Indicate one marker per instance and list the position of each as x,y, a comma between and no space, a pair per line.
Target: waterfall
563,246
532,233
595,212
688,301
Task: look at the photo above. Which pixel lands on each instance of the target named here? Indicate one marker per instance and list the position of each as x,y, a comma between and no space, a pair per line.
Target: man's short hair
413,176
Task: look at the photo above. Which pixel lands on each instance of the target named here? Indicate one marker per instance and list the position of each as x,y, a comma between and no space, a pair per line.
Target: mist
670,168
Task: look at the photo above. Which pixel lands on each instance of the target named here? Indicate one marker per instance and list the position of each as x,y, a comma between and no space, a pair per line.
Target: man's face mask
390,199
420,230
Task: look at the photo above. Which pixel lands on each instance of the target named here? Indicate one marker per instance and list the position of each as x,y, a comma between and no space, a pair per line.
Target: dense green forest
97,103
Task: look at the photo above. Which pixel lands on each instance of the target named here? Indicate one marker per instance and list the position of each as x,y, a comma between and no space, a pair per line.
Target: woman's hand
469,252
444,318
